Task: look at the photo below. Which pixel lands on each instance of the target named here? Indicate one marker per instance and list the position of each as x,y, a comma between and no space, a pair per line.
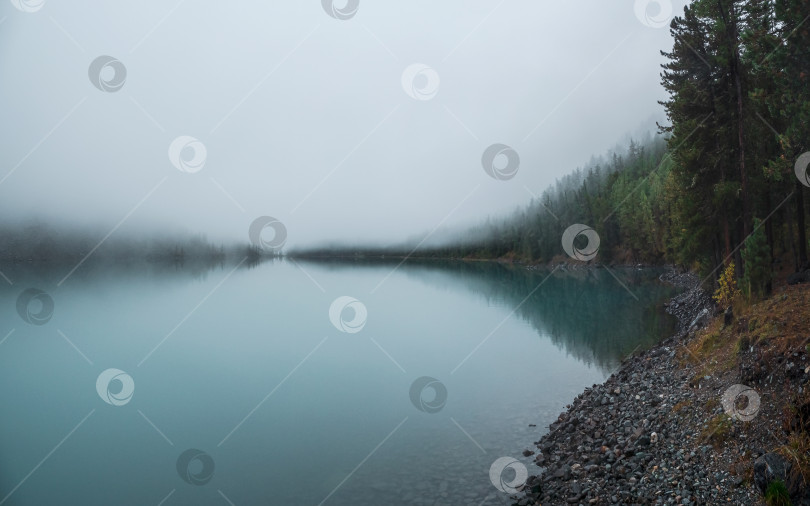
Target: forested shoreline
725,200
724,181
39,243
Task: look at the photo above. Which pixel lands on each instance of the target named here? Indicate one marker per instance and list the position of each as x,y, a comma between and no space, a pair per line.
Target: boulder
700,320
799,277
770,467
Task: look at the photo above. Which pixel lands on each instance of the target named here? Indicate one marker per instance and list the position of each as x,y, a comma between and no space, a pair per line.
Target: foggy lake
340,252
292,382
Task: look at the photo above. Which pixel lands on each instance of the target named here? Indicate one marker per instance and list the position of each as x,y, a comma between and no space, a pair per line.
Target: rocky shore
655,432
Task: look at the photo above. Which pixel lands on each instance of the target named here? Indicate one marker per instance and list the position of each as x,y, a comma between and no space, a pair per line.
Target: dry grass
713,349
779,324
681,405
783,319
797,452
717,430
774,329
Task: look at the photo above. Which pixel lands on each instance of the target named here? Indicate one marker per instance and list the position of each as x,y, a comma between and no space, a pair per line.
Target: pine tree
785,59
757,268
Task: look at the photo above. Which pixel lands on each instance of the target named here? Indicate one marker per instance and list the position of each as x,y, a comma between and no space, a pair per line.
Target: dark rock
799,277
563,472
621,442
770,467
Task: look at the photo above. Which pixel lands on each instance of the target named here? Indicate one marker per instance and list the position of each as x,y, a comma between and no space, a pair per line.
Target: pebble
613,446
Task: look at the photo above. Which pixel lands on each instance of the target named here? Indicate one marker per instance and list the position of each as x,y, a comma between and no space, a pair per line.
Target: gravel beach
645,435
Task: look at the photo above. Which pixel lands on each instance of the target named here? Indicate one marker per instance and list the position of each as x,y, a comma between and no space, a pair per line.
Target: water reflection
232,377
597,316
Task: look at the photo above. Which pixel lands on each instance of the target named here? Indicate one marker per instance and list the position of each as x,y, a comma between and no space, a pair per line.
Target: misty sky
304,117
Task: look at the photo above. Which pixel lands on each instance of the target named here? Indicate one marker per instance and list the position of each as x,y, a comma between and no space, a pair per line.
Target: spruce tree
757,267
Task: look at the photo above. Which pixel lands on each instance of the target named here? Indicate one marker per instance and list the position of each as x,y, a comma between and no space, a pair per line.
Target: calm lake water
407,396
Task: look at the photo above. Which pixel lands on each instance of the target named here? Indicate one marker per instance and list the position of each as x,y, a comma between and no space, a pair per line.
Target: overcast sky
321,122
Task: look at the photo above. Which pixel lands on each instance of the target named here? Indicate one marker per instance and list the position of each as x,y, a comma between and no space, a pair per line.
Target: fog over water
159,347
322,123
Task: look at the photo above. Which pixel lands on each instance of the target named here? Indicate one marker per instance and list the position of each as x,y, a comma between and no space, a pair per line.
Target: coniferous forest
726,166
631,329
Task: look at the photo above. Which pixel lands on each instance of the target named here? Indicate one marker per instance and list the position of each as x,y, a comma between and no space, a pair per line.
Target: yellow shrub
727,289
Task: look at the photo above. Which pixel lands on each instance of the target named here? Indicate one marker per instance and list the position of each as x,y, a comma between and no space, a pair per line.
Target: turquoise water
280,405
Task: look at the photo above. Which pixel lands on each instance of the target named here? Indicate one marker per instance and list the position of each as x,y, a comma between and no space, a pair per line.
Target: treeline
40,243
716,186
622,195
739,109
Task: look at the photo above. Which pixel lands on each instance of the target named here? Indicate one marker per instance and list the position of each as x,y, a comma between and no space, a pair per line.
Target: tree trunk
734,48
769,227
726,238
800,225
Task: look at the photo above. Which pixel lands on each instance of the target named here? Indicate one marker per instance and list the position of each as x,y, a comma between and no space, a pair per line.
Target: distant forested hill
726,181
